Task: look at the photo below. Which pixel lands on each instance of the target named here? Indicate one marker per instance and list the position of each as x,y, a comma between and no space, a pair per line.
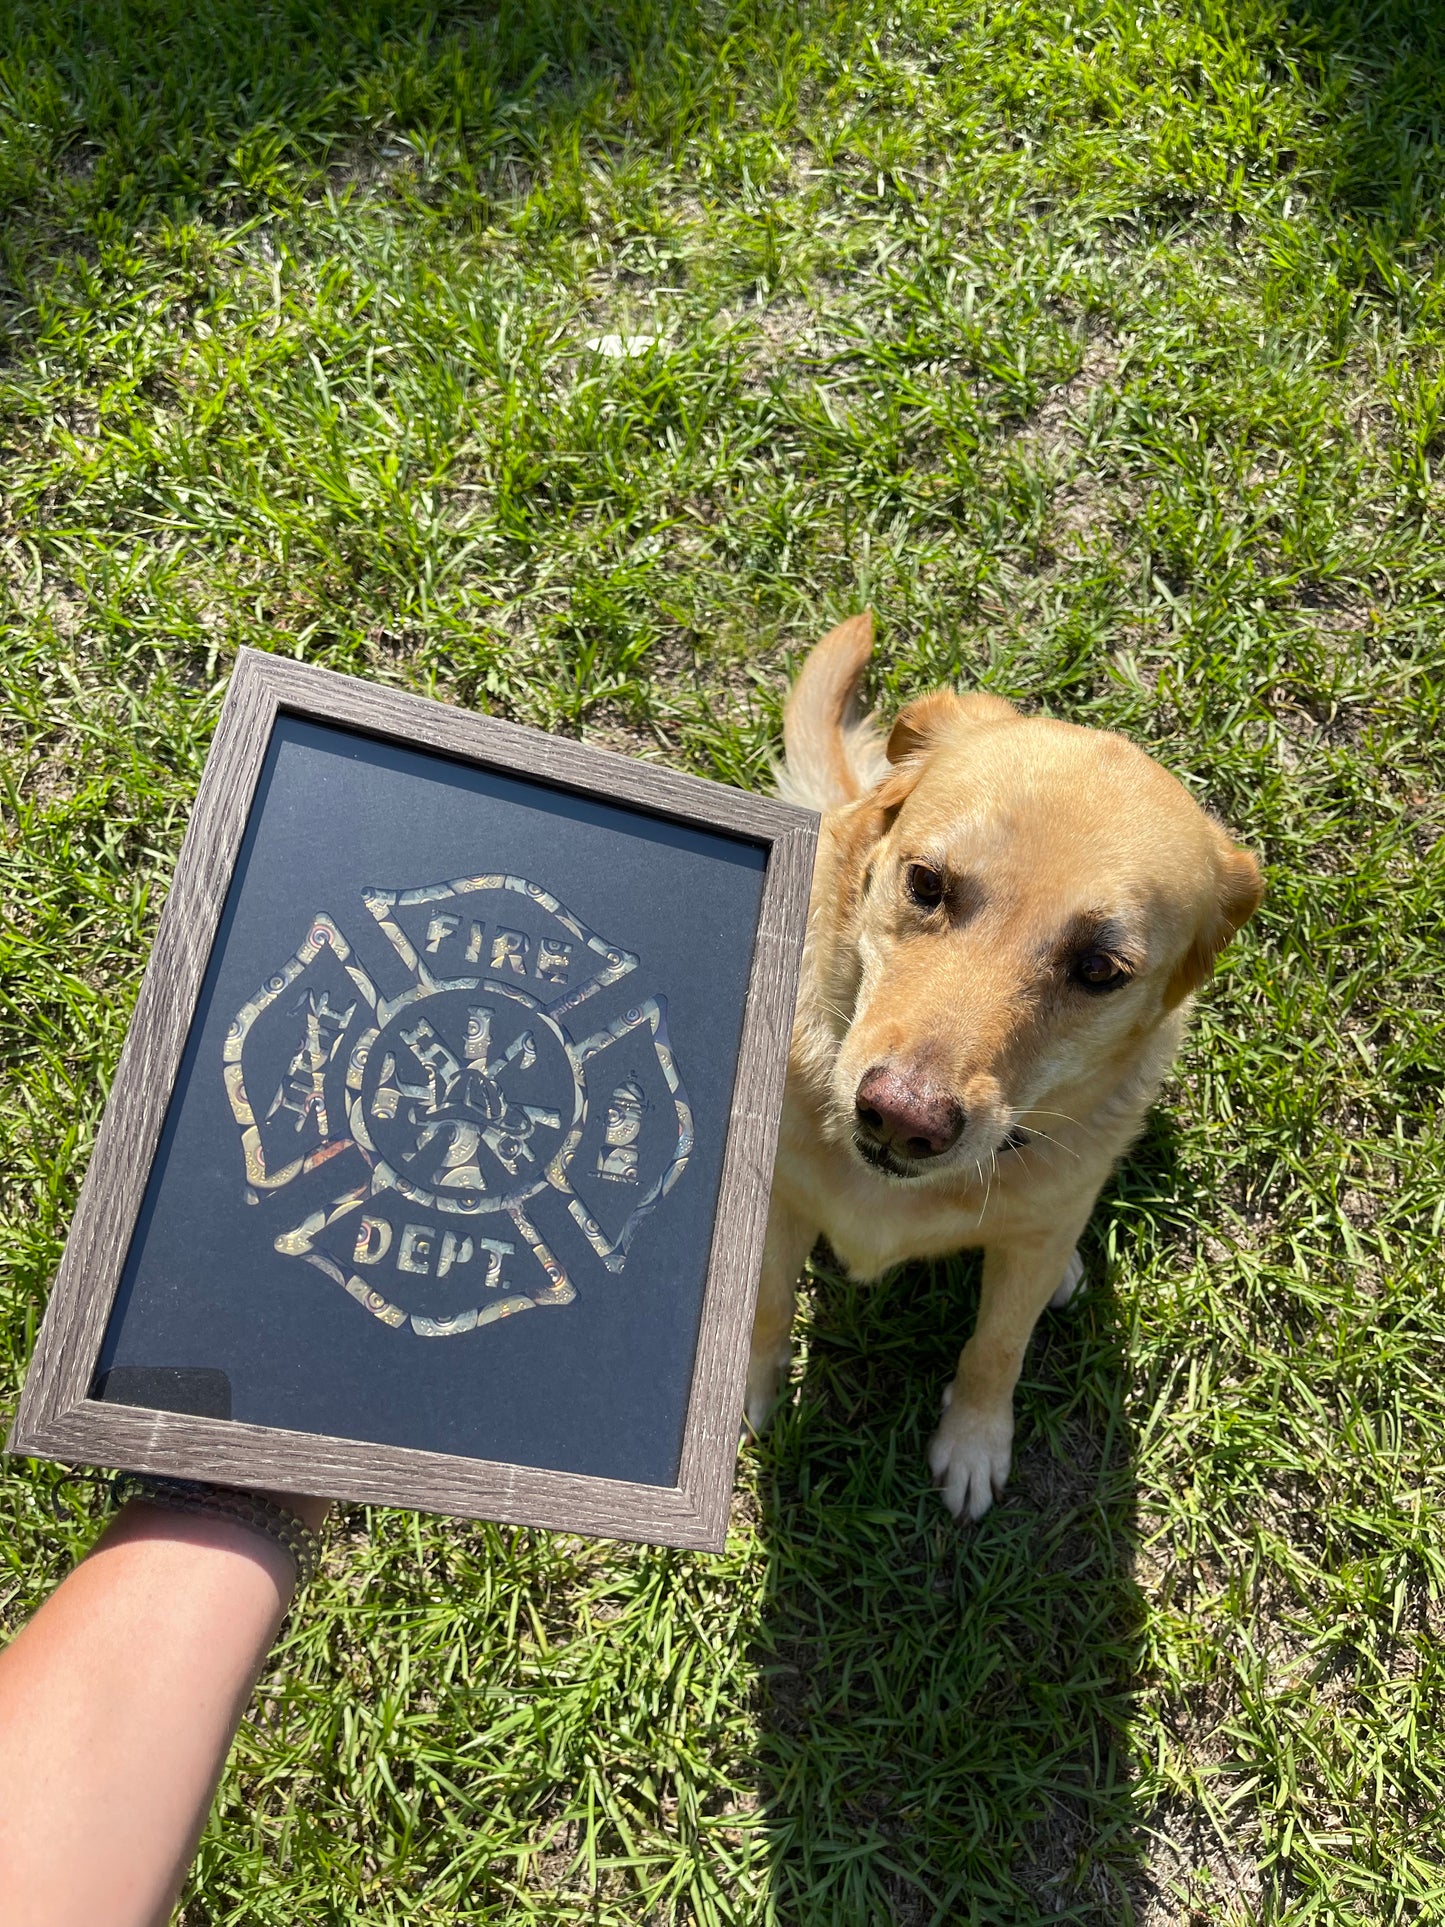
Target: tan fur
833,752
1047,833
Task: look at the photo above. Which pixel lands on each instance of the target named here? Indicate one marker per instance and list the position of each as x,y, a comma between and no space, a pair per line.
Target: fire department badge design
455,1151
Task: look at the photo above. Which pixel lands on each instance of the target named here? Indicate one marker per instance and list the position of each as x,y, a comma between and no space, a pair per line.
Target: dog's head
1027,901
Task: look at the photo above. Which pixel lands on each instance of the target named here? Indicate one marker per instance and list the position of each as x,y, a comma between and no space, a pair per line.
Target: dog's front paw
1073,1277
767,1371
969,1457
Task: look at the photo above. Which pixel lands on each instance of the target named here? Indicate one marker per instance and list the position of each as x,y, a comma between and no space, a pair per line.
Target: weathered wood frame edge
56,1419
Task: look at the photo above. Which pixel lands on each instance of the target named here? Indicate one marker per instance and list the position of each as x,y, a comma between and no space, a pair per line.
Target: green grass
1102,349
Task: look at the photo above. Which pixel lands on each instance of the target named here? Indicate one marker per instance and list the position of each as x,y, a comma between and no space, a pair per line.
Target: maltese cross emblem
493,1143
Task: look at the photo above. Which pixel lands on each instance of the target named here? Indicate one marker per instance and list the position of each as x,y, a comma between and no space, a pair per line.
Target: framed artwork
435,1169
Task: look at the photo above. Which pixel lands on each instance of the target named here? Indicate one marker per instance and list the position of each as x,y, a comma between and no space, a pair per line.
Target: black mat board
590,1371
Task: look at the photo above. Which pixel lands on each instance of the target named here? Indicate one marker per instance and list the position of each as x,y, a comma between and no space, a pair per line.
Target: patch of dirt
1052,426
1303,723
1191,1879
606,728
552,1866
1085,509
370,164
1050,1485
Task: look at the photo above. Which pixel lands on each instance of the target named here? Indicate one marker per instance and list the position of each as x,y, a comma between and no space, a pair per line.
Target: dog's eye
925,887
1097,970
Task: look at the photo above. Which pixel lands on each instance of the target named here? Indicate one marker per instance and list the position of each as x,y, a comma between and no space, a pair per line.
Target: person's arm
118,1704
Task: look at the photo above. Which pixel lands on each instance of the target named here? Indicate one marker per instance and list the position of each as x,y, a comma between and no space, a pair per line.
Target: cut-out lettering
454,1250
509,952
553,958
373,1241
414,1252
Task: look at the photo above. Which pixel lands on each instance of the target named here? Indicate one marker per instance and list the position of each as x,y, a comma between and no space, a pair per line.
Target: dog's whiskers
1067,1116
986,1180
1033,1130
830,1009
1042,1137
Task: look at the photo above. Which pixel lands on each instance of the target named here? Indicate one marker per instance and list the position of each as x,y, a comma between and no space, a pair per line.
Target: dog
1009,919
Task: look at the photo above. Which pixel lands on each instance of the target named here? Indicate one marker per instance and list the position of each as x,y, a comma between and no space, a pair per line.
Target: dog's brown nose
907,1115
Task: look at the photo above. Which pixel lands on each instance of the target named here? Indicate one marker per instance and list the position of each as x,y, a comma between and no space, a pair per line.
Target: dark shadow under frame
57,1419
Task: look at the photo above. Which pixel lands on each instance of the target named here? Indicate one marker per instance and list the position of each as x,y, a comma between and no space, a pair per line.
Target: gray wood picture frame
57,1418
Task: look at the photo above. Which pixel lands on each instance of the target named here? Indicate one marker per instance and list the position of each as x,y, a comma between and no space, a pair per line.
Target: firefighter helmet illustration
490,1146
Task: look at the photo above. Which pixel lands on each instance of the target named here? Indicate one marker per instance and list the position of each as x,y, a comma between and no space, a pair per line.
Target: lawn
1101,348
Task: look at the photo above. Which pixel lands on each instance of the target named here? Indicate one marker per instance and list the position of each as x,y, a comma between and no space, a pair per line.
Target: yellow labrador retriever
1009,918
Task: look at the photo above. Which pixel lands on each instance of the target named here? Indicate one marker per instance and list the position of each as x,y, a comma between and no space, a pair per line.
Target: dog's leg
971,1450
1070,1282
789,1240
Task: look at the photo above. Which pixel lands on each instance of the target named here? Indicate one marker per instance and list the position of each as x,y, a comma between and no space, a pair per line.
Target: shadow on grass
947,1707
1379,67
117,114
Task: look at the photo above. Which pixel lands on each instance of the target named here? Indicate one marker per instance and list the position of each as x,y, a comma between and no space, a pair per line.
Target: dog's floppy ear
923,724
918,727
1239,893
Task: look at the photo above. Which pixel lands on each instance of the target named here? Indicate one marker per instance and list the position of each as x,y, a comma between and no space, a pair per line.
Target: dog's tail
832,753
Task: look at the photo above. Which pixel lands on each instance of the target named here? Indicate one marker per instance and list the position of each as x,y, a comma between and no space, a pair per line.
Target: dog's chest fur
873,1222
